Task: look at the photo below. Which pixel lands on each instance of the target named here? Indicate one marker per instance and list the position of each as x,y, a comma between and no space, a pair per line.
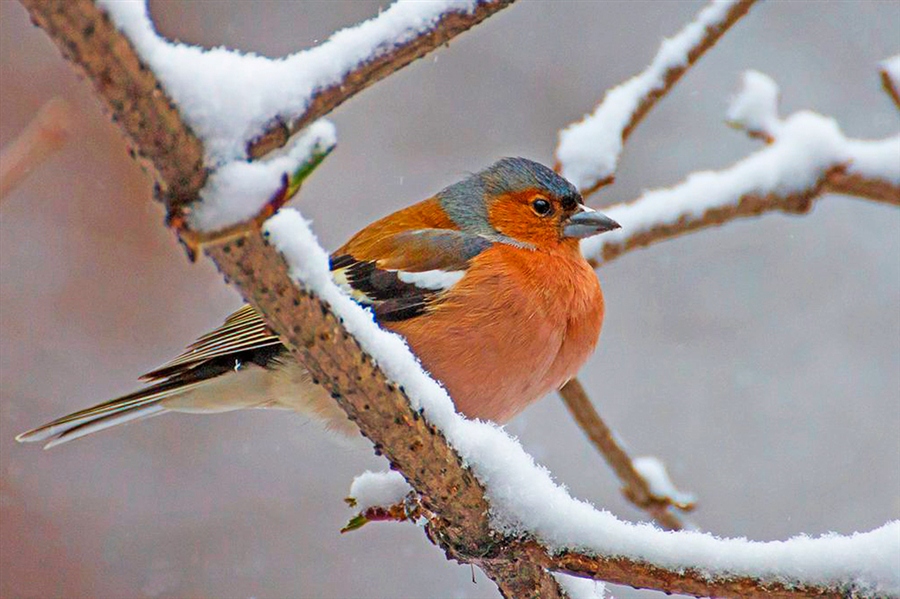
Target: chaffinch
485,281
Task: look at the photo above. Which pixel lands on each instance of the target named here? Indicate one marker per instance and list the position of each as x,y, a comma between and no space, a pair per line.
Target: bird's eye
541,206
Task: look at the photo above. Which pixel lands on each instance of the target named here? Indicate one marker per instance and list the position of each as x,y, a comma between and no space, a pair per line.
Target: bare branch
47,132
890,78
635,487
589,150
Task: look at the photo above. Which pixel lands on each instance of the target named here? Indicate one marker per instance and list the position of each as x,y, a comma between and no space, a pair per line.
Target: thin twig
835,180
652,84
889,83
674,74
635,487
45,135
374,69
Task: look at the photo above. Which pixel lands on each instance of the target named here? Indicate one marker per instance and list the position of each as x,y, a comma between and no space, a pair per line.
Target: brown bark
634,487
372,70
672,76
129,90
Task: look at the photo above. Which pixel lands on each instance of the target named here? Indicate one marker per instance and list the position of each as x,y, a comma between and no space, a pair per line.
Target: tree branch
768,180
588,151
890,78
47,132
373,69
131,93
380,409
634,486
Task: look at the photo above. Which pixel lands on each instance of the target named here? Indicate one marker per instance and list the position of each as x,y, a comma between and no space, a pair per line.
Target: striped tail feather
141,404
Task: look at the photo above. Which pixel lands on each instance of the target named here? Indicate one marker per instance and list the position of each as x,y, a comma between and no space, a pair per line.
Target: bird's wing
414,269
243,334
404,274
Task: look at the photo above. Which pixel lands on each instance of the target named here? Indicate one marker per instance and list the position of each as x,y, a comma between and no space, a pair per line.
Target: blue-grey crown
464,201
511,174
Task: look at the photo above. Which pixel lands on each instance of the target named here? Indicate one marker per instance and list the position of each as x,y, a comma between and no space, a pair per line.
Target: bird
485,281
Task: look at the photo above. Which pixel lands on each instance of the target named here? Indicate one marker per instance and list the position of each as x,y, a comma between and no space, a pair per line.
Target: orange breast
517,326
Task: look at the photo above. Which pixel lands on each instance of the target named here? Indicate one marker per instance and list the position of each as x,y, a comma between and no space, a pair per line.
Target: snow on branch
253,91
524,500
637,486
260,102
807,155
890,78
589,150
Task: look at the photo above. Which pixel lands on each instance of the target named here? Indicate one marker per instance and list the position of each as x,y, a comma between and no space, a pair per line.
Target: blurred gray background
760,361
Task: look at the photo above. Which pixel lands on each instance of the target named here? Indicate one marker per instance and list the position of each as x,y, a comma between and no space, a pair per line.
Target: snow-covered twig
635,486
261,102
268,100
807,156
47,132
890,78
589,150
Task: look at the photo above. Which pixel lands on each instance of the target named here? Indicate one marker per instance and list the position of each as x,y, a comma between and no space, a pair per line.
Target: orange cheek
513,216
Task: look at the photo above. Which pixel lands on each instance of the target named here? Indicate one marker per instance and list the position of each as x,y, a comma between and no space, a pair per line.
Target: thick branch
374,69
382,411
634,486
130,91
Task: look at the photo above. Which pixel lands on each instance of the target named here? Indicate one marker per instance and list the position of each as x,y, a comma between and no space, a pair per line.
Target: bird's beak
588,222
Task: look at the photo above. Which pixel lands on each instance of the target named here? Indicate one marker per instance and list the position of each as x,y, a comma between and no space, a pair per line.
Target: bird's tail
141,404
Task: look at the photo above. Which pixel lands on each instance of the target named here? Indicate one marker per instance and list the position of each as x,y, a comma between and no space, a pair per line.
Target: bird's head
524,203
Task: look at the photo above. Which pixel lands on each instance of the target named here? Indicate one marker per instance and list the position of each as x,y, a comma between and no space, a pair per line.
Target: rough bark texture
382,412
373,70
129,90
